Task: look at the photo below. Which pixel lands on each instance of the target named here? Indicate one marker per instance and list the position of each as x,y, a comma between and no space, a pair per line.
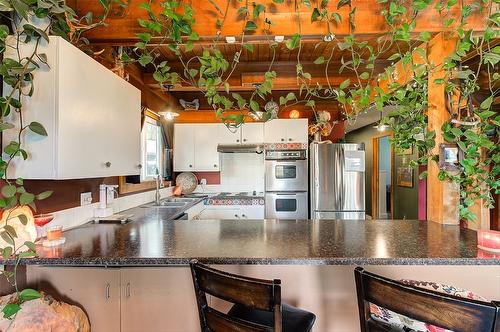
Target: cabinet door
206,139
95,290
275,131
296,130
229,135
158,299
98,130
252,211
252,133
184,147
221,213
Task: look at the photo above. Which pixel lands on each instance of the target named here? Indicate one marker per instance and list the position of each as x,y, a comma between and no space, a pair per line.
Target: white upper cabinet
206,139
183,147
195,147
252,133
91,115
286,131
229,135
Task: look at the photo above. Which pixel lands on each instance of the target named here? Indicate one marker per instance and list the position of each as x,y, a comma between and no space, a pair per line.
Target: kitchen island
122,273
152,239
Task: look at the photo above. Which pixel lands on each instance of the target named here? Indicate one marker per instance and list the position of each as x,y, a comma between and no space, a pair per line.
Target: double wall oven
286,184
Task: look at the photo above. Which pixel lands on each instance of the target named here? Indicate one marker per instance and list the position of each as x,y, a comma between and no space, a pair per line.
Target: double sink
172,202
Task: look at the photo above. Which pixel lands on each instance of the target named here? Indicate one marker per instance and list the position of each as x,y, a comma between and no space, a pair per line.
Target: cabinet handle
215,165
106,291
237,141
236,216
282,139
244,140
243,216
139,166
290,139
107,164
127,290
190,165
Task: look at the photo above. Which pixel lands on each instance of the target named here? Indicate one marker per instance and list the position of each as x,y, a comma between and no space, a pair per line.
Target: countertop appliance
337,181
286,184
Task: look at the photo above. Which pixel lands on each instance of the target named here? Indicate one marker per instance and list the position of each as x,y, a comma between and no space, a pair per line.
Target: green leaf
345,84
343,3
7,252
250,26
37,128
486,114
257,9
425,36
486,104
310,103
30,245
254,105
7,238
293,42
337,19
242,10
145,59
29,294
248,47
8,191
10,310
9,229
315,14
26,198
319,60
364,76
23,219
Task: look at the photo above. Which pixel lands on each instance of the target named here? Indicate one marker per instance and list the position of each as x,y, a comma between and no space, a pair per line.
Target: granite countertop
153,239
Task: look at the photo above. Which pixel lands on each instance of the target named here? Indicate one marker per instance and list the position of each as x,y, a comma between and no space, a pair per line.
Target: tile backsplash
70,218
242,172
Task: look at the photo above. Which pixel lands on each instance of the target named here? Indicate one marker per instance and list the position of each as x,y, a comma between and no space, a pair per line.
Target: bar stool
388,305
256,303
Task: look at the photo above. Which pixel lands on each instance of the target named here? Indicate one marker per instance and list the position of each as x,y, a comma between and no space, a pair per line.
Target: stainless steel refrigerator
337,178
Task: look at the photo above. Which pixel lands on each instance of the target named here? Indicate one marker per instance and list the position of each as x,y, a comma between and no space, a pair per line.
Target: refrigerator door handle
342,174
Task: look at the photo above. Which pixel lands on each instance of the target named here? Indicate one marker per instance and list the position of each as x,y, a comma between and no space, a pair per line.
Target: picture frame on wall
405,177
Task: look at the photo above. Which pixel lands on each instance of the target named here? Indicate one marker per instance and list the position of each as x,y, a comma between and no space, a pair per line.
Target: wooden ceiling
122,28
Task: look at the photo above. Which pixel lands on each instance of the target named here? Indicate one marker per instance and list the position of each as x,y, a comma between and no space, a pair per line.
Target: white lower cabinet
232,212
125,299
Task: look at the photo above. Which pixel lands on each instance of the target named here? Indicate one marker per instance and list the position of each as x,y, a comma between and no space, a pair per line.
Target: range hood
240,148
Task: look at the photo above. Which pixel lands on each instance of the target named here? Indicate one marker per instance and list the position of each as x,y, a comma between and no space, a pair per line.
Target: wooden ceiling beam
368,20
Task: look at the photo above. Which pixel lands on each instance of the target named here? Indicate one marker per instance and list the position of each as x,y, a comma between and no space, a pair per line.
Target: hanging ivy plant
408,99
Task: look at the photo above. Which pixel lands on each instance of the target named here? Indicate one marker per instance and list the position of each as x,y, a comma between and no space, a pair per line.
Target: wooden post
442,196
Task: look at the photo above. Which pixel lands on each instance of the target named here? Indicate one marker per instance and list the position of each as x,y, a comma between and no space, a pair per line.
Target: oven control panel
285,154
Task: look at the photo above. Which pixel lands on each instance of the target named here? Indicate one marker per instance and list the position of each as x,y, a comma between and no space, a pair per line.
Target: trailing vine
407,98
28,22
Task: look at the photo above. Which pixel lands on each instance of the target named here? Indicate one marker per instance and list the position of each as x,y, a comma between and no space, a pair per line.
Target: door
158,299
229,135
275,131
286,205
382,180
286,175
96,290
221,213
296,131
206,139
252,133
183,147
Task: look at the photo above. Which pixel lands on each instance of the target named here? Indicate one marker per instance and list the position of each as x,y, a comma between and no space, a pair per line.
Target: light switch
85,198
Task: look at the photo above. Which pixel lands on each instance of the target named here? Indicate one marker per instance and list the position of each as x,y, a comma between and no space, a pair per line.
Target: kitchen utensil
187,181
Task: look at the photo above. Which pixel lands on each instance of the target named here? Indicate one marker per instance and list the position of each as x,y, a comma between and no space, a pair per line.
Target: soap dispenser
106,197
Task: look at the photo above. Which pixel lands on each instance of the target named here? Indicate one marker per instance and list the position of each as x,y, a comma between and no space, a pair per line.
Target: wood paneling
368,20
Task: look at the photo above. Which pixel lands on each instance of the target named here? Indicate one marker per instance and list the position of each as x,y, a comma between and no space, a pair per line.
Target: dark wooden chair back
250,292
446,311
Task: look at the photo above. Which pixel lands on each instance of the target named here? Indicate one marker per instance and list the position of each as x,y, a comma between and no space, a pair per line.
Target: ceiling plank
368,20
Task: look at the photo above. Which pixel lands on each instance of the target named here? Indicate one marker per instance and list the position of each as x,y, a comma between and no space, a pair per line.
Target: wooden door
275,131
158,299
184,147
95,290
296,131
206,139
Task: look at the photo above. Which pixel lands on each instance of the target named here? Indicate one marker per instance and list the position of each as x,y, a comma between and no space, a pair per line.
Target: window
151,146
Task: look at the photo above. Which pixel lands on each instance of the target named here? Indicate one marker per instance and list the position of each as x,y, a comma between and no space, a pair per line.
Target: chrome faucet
157,193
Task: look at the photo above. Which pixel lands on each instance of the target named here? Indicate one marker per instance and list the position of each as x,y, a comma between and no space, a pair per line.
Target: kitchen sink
166,204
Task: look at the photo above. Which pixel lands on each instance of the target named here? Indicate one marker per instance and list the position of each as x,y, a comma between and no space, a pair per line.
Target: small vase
317,136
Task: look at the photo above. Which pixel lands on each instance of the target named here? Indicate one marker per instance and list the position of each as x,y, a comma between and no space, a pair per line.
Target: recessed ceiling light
169,115
279,39
230,39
